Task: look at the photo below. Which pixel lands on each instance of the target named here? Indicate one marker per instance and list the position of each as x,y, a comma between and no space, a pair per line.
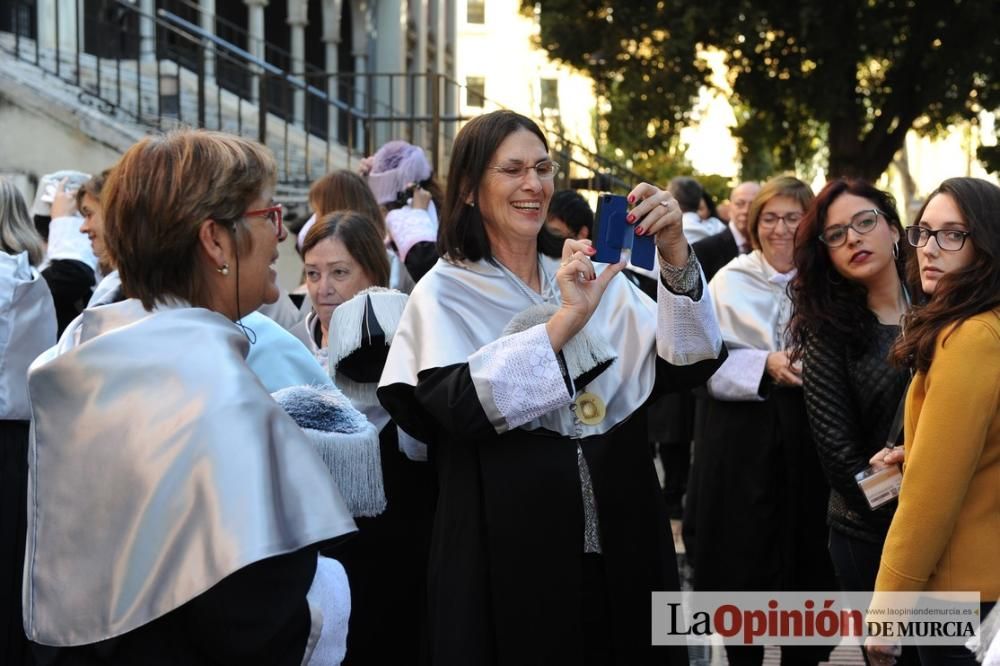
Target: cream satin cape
457,308
751,303
158,466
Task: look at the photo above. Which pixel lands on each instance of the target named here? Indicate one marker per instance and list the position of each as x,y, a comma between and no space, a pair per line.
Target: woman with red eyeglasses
175,511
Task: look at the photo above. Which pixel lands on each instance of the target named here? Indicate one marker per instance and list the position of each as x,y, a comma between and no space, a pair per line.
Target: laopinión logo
813,618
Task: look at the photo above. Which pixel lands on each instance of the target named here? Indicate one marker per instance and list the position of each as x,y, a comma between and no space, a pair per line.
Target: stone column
420,70
147,31
331,39
207,23
438,16
362,26
255,30
297,21
361,100
451,49
389,93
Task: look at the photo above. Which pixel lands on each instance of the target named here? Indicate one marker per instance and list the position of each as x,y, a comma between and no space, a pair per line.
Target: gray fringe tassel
347,319
582,353
356,465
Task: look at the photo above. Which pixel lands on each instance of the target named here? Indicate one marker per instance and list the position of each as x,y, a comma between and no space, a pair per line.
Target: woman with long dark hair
946,531
849,297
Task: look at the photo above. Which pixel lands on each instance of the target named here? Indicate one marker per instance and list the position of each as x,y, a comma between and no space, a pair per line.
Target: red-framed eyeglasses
273,214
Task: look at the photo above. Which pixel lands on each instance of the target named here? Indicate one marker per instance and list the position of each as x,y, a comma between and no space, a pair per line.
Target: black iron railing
164,70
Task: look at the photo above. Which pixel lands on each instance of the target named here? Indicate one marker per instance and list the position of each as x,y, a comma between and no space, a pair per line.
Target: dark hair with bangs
824,301
963,293
360,237
462,236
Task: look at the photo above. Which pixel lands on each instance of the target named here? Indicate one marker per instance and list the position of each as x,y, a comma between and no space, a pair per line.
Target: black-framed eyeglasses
546,169
791,220
951,240
863,222
273,214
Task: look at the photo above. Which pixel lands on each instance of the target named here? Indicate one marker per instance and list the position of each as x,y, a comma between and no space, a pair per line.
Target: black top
257,615
71,283
420,259
851,398
715,251
505,581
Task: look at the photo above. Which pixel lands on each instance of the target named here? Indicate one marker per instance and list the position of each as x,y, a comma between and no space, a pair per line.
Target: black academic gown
386,564
761,519
716,251
506,575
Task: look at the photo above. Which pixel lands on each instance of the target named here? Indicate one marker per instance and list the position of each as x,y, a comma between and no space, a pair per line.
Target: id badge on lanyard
880,485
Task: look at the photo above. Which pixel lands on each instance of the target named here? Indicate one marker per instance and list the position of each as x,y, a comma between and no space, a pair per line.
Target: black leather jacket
851,398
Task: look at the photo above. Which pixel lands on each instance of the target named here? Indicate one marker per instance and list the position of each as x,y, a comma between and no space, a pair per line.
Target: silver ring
665,204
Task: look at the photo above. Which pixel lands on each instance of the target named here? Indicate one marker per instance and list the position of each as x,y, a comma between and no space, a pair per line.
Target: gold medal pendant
589,408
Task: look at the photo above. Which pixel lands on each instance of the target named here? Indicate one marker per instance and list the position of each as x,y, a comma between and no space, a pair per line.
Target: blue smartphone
612,234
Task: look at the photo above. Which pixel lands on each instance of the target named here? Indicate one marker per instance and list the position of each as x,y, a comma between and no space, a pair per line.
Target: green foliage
848,77
718,187
990,157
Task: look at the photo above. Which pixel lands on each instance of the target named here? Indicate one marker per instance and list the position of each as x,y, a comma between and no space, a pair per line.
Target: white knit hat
394,167
47,184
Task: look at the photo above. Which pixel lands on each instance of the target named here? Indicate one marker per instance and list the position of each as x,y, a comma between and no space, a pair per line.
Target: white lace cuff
409,226
686,330
740,375
517,378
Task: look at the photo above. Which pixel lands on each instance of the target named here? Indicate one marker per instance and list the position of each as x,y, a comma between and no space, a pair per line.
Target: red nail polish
640,231
631,217
631,198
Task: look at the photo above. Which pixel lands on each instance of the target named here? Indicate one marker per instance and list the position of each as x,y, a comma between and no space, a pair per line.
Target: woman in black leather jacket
849,296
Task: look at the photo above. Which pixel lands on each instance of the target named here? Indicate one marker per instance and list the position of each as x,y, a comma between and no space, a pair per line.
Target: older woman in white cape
175,510
526,376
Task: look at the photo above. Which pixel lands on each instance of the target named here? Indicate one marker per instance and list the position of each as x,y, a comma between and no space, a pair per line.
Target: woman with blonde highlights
27,328
761,493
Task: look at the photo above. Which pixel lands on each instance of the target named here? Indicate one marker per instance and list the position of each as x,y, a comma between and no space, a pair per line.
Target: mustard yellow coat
946,532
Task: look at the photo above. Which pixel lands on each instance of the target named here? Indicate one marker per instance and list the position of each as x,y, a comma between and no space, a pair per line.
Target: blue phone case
612,234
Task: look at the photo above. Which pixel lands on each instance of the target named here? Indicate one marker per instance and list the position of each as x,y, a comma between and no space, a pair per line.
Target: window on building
550,94
475,91
476,11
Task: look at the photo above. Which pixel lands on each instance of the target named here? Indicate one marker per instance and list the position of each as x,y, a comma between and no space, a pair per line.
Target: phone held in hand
612,234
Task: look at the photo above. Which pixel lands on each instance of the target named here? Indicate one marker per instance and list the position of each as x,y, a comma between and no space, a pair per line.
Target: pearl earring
224,269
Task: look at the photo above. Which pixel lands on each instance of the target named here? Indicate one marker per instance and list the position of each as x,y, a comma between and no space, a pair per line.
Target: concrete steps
126,92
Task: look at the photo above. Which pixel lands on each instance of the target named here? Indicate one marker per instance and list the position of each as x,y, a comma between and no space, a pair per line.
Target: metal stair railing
291,112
